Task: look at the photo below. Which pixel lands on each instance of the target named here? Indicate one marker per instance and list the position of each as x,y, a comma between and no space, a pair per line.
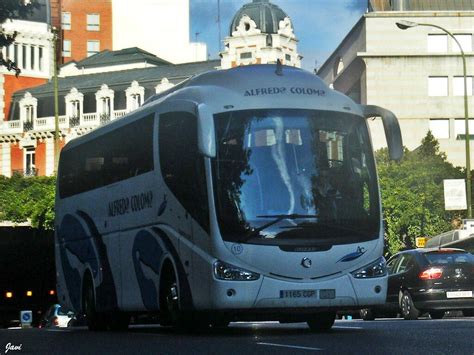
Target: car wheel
436,314
409,311
367,314
95,320
322,322
468,312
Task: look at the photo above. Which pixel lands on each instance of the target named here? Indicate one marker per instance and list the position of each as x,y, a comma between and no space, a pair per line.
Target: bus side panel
141,257
81,249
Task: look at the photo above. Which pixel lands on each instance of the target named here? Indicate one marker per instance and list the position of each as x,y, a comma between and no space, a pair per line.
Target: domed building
260,33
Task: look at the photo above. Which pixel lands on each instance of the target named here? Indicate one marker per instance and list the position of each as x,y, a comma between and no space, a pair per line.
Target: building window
437,43
246,55
460,128
30,168
440,128
40,58
93,22
93,47
438,86
465,40
66,21
288,57
66,48
458,85
23,59
32,57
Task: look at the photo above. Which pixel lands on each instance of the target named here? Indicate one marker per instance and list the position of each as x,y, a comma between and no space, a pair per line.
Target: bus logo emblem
237,249
306,262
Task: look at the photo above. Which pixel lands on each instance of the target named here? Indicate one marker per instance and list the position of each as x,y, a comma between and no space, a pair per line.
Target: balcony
26,172
39,124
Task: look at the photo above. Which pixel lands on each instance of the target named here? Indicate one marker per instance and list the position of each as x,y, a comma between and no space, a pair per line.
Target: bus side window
182,167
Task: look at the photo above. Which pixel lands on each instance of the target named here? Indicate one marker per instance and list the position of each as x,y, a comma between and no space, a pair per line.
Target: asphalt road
384,336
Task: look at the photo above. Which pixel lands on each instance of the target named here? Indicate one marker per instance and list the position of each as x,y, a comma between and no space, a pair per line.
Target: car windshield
295,177
445,258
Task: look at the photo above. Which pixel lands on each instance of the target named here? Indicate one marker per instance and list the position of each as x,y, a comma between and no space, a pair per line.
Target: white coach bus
242,194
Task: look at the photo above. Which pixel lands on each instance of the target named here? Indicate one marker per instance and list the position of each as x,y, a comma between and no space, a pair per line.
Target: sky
319,25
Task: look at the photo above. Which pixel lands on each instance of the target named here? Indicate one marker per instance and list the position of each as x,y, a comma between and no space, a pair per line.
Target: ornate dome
266,16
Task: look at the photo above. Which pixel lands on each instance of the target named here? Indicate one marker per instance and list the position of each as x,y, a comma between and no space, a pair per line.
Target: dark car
428,281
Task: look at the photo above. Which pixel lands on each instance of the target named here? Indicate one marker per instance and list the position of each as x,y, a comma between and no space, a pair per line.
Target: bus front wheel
322,322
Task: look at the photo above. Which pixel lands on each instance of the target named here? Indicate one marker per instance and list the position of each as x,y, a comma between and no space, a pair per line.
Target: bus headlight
224,271
378,268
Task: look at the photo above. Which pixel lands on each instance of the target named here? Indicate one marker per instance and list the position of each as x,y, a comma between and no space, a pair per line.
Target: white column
6,167
28,57
19,60
49,157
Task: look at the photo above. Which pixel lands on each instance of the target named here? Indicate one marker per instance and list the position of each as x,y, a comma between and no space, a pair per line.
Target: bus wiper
326,225
278,217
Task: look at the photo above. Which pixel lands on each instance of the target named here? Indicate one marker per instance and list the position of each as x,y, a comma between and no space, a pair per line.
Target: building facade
86,101
32,52
107,85
260,33
160,27
416,73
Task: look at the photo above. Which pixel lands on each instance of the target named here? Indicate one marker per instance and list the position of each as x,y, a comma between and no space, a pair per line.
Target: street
384,336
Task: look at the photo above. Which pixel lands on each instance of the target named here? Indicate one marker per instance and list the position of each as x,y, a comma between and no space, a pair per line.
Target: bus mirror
391,127
206,135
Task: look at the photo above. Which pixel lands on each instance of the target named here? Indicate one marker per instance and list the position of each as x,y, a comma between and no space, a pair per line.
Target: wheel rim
406,307
172,298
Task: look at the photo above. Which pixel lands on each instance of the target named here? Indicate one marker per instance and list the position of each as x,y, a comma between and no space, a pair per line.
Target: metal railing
47,123
26,172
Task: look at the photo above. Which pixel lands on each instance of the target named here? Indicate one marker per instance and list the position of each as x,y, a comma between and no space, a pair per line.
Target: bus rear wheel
95,320
322,322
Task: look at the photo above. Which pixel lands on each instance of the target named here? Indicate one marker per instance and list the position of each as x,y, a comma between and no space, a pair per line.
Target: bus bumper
267,292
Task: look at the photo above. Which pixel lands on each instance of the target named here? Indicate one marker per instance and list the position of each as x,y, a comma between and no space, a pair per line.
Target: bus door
184,174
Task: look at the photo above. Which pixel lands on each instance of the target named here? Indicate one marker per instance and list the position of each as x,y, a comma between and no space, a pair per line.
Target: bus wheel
322,322
367,314
409,311
175,316
95,320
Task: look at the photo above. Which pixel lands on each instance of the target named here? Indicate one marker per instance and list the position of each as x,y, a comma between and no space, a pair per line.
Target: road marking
291,346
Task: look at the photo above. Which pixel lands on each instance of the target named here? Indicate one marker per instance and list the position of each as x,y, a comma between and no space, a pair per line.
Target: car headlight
224,271
378,268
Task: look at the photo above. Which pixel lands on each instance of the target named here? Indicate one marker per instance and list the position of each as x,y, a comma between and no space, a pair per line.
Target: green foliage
28,199
412,194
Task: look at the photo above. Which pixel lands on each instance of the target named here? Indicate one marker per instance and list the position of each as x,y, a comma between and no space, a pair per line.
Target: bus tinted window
182,166
124,153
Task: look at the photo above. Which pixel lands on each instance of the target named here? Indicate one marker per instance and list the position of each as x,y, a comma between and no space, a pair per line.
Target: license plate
298,294
328,294
459,294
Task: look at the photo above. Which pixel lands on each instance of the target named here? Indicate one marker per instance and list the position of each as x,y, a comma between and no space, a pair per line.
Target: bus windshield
294,177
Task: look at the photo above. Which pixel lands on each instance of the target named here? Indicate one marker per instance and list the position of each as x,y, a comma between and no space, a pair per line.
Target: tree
412,194
13,9
28,199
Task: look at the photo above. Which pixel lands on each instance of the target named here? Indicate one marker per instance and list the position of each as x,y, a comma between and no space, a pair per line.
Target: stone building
260,33
111,83
416,73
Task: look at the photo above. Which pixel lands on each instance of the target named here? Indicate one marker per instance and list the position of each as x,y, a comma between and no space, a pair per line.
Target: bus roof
246,87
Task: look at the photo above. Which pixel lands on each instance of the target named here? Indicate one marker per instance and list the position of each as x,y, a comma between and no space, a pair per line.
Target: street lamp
403,25
56,98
